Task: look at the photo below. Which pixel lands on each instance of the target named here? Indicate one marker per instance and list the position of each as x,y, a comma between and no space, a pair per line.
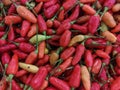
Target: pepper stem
72,88
59,50
25,87
105,10
10,79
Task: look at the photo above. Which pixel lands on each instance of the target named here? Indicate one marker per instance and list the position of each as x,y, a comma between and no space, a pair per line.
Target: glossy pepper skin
58,83
39,78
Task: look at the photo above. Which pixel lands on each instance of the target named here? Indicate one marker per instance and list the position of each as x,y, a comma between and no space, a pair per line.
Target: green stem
105,10
10,79
72,88
30,88
58,62
59,50
25,87
111,66
37,38
6,65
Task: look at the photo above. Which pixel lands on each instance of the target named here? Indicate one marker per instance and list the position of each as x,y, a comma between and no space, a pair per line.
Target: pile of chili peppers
59,44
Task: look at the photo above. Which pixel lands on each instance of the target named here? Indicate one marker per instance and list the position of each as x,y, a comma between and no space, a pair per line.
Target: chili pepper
102,54
68,4
61,15
93,24
28,67
88,59
67,53
29,79
3,84
12,68
117,59
5,58
81,29
109,4
115,84
10,19
87,9
23,1
43,60
50,32
50,3
85,77
75,82
65,38
49,12
87,1
11,33
21,73
32,31
2,33
108,49
116,29
31,58
41,24
23,79
26,14
38,7
15,86
39,78
20,54
118,38
56,23
117,70
78,54
96,66
58,83
42,0
116,7
95,86
7,47
11,10
51,88
107,34
83,19
41,49
25,28
44,85
20,39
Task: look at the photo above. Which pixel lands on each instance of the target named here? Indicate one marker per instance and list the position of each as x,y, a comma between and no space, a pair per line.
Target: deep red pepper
39,78
78,54
29,79
25,28
95,86
50,3
118,60
88,58
74,80
43,60
75,13
41,24
3,84
50,88
68,4
50,31
20,73
109,3
15,86
103,75
105,87
12,9
56,23
65,38
23,1
117,70
50,12
20,54
108,49
11,33
7,47
61,15
20,39
81,29
58,83
93,24
5,58
67,53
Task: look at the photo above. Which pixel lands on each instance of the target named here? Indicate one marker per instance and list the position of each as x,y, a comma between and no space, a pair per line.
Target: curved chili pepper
56,23
5,58
39,78
58,83
20,39
21,73
11,33
43,60
78,54
74,80
25,28
49,12
65,38
38,7
61,15
50,3
67,53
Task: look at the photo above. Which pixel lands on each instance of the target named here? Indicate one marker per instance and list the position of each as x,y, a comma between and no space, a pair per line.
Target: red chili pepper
75,13
7,47
93,24
41,24
81,29
42,0
11,33
108,49
29,79
50,31
39,78
68,4
50,88
15,86
20,73
20,54
103,75
65,38
3,84
109,3
1,33
74,80
118,38
12,9
88,59
23,1
95,86
117,70
96,66
116,29
102,54
20,39
43,60
50,12
25,28
67,53
56,23
2,27
61,15
78,54
12,19
105,87
58,83
5,58
50,3
106,61
23,78
118,60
